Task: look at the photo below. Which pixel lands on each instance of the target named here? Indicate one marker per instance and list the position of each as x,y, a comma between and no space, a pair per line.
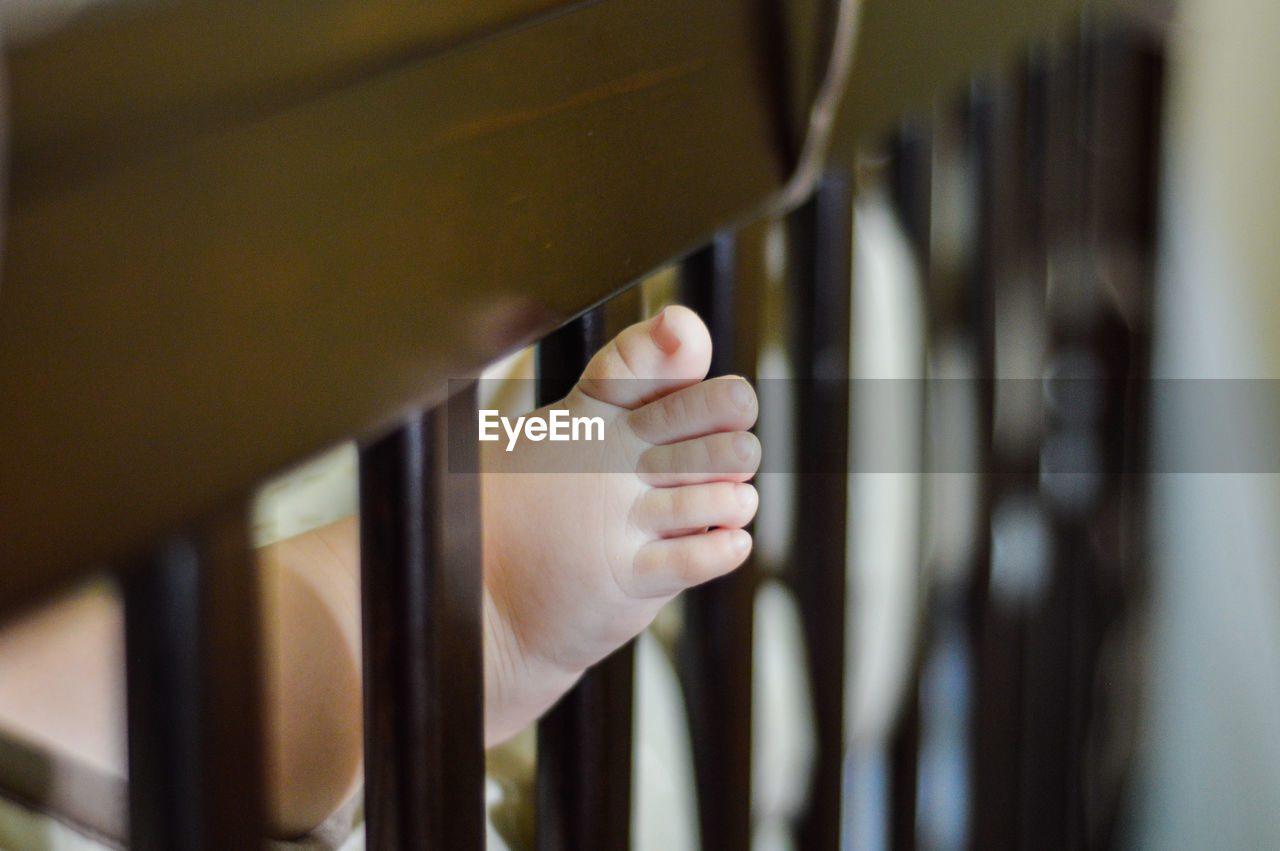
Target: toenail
741,540
662,335
743,446
745,496
740,394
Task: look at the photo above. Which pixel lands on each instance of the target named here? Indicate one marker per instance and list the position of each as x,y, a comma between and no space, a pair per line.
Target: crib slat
821,251
1127,70
986,104
584,743
1053,745
1003,256
584,762
724,286
420,587
1099,230
194,693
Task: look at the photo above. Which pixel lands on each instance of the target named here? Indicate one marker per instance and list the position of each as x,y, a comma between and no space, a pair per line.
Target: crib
240,232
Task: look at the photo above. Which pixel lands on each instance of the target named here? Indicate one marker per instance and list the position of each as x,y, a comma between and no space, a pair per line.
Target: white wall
1210,767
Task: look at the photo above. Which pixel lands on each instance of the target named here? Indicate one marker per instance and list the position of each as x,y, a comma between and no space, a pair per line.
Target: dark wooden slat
708,285
584,762
584,742
723,282
106,88
1127,69
1003,125
1096,224
161,635
904,762
986,808
1052,748
563,354
911,172
194,693
421,588
821,252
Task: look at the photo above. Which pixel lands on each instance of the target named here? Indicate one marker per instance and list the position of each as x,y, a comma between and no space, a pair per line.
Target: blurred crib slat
584,743
821,255
421,602
194,693
723,282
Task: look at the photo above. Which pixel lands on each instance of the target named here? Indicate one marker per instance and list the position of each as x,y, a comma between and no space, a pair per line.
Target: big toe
650,359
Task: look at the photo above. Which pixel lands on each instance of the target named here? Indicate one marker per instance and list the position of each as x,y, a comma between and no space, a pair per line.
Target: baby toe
668,566
721,404
668,512
726,456
649,359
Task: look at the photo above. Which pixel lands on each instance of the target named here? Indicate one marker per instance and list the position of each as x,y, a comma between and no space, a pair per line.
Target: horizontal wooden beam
241,231
120,81
181,320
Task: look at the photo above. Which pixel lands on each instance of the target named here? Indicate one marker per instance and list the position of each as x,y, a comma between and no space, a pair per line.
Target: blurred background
1098,663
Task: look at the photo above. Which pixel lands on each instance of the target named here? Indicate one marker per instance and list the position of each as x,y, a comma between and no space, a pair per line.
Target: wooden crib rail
183,316
239,232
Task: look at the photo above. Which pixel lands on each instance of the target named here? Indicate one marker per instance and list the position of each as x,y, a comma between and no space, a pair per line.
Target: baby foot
576,563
